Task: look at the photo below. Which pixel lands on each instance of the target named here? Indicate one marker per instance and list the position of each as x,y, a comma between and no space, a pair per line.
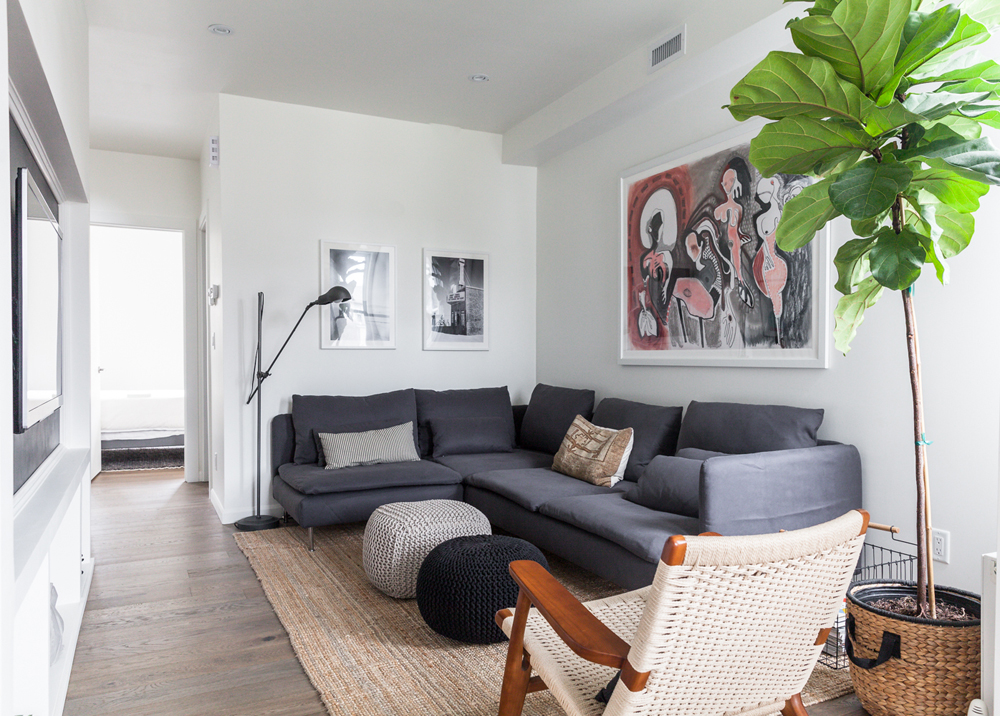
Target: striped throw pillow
370,447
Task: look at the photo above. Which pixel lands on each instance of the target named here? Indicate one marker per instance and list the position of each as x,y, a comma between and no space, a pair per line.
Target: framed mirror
37,306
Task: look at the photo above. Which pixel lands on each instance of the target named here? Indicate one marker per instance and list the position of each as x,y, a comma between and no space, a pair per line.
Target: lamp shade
337,294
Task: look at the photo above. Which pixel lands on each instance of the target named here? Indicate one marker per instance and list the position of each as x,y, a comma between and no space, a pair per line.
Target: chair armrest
784,489
576,625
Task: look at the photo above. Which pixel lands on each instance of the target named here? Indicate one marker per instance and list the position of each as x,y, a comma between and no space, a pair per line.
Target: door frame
193,309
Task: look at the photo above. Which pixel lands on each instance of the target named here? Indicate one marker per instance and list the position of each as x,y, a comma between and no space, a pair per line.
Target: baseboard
228,517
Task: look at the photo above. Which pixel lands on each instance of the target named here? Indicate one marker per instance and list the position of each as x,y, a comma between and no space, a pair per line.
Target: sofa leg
311,546
285,517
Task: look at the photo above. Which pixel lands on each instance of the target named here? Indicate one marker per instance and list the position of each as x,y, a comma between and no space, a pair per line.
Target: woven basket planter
905,666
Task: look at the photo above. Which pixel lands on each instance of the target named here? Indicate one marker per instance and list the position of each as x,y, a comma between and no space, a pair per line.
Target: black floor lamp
336,295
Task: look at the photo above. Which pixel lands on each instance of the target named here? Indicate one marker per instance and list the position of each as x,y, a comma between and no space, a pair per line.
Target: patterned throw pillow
597,455
371,447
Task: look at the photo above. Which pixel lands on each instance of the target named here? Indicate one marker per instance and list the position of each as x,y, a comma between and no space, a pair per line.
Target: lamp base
254,523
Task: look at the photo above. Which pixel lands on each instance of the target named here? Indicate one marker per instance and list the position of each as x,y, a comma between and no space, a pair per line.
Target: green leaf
869,188
958,69
934,105
941,268
879,120
797,145
930,33
965,127
896,260
850,312
804,215
787,84
985,11
957,229
821,7
976,155
958,192
975,85
859,39
852,263
868,227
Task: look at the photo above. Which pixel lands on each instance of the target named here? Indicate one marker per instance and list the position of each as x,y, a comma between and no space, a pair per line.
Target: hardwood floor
177,623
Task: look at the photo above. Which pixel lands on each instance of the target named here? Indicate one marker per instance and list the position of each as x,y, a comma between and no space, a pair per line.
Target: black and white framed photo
368,271
456,301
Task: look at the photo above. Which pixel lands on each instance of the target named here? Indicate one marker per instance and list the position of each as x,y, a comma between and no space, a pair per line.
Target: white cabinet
51,549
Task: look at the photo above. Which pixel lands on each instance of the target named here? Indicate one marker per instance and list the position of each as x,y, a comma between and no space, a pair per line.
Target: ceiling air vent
667,49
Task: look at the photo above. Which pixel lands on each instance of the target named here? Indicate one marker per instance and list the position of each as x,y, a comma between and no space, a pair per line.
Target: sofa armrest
784,489
519,411
282,441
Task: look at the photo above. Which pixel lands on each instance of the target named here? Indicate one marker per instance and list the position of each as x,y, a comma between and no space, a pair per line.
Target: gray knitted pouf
400,535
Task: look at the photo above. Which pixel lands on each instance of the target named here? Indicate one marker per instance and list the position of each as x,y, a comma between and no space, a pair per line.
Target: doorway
138,306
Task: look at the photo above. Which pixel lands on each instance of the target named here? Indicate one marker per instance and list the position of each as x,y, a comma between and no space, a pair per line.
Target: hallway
177,623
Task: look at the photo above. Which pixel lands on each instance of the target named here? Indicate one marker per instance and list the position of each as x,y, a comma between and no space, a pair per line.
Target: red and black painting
703,271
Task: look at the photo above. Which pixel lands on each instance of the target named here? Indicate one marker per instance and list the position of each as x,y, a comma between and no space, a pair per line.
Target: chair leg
517,672
794,707
311,545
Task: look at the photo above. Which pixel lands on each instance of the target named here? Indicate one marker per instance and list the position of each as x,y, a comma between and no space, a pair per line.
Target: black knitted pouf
464,582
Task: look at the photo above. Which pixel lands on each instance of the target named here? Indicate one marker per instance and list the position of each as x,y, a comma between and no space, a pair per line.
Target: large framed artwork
702,281
368,271
456,301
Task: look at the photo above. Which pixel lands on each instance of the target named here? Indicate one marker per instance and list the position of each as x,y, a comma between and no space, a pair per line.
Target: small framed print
456,301
368,271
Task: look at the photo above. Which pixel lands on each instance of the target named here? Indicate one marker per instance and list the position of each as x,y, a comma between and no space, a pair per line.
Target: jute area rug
370,655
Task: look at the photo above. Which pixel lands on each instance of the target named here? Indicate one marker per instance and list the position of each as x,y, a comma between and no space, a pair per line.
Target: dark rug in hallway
144,458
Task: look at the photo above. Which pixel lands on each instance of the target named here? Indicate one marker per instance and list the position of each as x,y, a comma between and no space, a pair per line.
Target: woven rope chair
730,625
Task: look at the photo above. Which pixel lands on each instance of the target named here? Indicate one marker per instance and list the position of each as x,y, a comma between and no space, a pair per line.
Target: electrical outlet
941,545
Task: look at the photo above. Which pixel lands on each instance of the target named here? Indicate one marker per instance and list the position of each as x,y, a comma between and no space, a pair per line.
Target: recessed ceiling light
220,29
480,78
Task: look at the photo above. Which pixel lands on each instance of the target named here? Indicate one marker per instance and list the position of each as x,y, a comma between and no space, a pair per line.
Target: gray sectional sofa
726,468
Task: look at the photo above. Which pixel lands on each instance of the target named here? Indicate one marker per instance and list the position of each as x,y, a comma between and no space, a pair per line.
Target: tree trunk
923,561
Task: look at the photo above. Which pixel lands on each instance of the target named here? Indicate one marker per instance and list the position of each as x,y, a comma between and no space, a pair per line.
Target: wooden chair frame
581,631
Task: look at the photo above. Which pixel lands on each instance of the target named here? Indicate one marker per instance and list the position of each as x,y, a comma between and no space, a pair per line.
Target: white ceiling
154,67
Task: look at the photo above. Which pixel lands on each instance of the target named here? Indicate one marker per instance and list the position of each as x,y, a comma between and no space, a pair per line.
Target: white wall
866,395
47,41
60,34
162,193
292,176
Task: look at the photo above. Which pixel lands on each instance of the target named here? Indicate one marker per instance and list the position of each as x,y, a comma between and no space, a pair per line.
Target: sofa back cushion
469,436
450,404
737,428
655,430
669,484
550,412
312,414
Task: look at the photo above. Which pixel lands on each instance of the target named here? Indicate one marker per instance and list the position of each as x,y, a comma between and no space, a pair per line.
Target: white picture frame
368,320
697,210
456,295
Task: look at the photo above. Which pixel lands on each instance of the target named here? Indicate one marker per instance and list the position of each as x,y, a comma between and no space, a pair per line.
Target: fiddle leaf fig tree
884,103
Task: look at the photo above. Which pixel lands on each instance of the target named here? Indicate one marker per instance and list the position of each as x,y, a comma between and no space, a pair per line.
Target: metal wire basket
875,562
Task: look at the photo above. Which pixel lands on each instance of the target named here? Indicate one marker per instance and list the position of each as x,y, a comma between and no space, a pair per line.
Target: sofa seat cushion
466,465
315,480
640,530
532,488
